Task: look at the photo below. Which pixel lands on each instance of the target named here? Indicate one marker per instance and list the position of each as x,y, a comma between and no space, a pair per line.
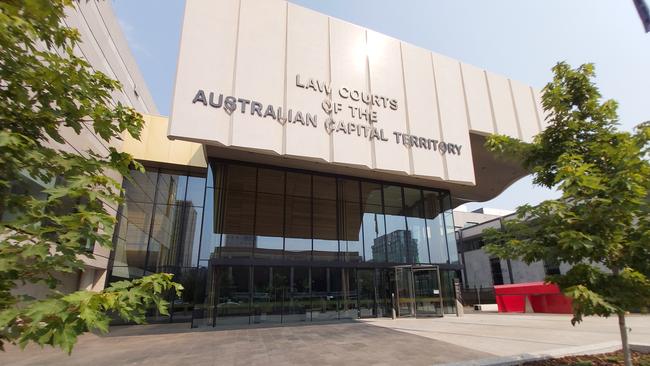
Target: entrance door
428,299
418,291
404,293
367,293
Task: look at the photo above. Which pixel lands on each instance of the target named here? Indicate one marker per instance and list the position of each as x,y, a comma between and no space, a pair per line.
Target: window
416,223
497,274
233,296
350,228
450,230
216,231
159,225
325,211
435,227
468,245
551,267
276,214
374,225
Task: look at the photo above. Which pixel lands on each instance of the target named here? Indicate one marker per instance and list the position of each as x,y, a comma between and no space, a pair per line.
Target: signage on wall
356,115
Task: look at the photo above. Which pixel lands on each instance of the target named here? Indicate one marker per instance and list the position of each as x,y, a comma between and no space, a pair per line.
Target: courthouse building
309,168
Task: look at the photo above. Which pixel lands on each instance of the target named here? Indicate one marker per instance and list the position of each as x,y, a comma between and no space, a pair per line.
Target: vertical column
478,100
453,119
387,103
260,76
349,75
526,110
213,36
308,83
542,115
422,108
502,106
87,279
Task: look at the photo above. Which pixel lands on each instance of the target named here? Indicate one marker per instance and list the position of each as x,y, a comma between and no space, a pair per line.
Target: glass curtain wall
311,231
159,230
266,213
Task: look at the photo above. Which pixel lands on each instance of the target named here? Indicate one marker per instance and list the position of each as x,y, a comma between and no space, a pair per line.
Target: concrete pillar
528,307
87,279
460,310
100,279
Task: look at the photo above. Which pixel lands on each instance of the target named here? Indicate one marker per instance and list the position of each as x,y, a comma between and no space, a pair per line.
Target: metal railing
478,296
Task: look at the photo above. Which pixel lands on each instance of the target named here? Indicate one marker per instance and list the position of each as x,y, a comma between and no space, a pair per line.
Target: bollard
392,297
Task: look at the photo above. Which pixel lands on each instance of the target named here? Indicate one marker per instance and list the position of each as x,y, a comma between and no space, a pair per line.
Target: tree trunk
626,346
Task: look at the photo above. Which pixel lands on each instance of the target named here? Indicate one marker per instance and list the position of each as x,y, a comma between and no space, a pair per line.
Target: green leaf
600,225
54,202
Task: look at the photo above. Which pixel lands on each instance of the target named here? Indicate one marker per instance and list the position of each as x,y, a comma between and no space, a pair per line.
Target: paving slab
474,339
514,334
350,343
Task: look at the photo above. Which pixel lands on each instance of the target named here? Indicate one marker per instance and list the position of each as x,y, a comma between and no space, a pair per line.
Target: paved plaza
367,342
353,343
514,334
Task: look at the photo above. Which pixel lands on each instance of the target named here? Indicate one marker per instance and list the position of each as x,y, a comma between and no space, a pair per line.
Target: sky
516,38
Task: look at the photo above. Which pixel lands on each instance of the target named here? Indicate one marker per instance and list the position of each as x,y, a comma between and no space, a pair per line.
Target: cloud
129,32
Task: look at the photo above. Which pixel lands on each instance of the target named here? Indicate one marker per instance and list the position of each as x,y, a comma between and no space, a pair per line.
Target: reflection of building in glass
185,220
398,246
238,240
281,246
237,246
173,225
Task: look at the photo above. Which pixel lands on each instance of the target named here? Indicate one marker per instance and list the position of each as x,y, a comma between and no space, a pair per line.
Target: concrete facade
466,219
480,268
339,98
105,47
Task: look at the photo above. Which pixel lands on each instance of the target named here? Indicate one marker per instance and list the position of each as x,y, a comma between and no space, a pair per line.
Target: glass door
367,293
404,295
428,299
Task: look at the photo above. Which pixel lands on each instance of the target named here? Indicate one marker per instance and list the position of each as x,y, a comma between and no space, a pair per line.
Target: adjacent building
105,47
482,270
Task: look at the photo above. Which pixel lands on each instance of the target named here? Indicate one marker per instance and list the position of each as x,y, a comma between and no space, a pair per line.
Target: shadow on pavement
179,328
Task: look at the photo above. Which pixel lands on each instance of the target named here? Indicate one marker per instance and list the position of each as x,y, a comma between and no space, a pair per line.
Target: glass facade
257,244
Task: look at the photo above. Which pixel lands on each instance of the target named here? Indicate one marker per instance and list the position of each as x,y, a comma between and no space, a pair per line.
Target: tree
44,89
601,223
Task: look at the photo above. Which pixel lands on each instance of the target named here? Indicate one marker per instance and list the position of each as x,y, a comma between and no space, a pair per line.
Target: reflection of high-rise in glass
188,223
242,241
177,223
275,245
398,246
236,246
